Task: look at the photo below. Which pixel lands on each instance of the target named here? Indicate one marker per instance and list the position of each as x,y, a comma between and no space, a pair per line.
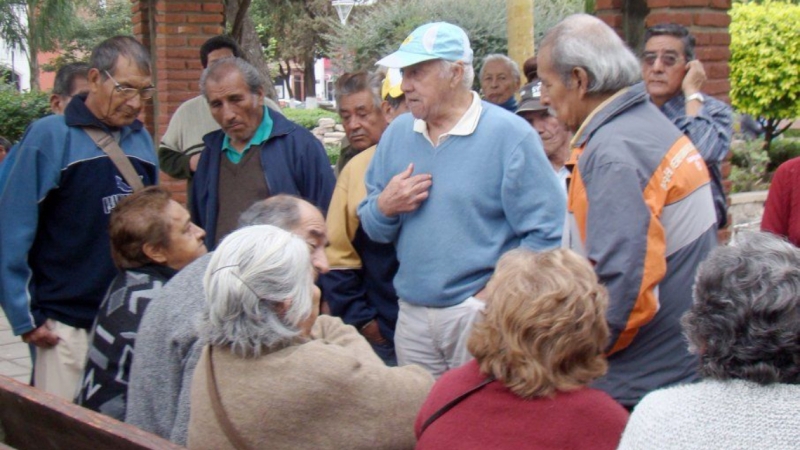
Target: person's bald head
296,215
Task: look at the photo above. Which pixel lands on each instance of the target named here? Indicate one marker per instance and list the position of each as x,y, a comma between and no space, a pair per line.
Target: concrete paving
15,358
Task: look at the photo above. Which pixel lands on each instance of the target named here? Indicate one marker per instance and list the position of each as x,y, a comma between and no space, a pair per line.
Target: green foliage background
308,118
17,110
765,62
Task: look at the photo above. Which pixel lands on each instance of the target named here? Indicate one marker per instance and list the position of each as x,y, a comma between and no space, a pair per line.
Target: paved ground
15,360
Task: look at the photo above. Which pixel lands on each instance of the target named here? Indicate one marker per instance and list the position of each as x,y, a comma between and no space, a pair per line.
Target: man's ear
458,73
55,104
155,252
580,78
95,79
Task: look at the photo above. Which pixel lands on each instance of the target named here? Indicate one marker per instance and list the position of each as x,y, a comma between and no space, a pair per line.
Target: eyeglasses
128,93
667,59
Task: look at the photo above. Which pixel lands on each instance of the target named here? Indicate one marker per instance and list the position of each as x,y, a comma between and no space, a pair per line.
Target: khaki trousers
59,370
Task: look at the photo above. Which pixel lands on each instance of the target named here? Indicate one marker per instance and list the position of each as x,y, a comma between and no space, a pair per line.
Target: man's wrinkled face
185,238
663,67
363,122
554,134
564,100
237,110
425,86
312,229
497,82
110,101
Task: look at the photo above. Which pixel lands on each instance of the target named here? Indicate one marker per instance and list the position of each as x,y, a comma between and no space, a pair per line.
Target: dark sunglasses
667,59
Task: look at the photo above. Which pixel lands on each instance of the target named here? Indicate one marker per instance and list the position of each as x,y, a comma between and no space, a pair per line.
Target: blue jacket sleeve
34,171
345,292
710,131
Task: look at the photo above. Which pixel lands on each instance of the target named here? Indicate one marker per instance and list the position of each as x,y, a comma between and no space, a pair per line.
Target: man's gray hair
221,67
469,72
250,278
104,56
355,82
745,319
587,42
282,211
510,63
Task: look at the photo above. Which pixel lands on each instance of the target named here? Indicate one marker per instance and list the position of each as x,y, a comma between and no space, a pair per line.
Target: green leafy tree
102,21
765,63
18,109
292,32
376,31
36,26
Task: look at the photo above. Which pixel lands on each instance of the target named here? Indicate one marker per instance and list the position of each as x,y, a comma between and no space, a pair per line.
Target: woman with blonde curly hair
538,347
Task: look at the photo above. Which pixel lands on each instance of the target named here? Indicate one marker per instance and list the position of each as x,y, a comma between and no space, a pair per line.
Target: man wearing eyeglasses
55,258
674,79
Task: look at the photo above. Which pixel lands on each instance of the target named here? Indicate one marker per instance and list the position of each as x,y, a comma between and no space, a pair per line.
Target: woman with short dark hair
538,347
745,327
152,237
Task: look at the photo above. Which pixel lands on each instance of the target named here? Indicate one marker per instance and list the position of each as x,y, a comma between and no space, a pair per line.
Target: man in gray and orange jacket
639,205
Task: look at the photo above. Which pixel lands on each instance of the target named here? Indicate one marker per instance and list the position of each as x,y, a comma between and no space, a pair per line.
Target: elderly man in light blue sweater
454,185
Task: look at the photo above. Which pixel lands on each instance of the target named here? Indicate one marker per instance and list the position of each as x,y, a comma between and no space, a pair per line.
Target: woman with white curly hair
273,375
745,327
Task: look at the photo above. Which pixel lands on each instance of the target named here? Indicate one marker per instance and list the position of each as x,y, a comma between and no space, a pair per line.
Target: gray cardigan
167,351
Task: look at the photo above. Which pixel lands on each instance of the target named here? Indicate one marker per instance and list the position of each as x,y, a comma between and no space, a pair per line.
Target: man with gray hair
55,255
639,204
454,185
167,346
500,79
257,153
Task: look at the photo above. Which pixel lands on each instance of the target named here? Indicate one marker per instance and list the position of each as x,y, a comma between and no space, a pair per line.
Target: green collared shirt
261,135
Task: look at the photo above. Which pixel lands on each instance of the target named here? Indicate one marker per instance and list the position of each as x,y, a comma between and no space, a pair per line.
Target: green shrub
765,62
782,150
308,118
333,151
17,110
749,163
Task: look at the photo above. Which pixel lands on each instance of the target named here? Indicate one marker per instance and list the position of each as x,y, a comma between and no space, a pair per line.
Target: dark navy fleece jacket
294,163
55,200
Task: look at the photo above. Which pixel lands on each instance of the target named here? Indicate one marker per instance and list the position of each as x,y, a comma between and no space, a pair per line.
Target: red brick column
174,30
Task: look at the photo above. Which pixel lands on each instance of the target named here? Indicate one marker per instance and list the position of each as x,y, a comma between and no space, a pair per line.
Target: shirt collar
464,127
579,134
77,114
262,134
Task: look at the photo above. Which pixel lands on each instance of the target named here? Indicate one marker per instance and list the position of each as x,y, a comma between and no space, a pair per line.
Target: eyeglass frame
145,93
650,58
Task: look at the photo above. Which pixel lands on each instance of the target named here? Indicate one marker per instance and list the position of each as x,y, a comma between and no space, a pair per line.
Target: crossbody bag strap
110,147
449,405
219,411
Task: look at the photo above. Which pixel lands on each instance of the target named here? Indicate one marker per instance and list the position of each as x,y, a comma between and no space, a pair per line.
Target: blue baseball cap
438,40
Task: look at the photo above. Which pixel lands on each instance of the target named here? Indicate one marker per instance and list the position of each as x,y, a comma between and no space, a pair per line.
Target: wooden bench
31,419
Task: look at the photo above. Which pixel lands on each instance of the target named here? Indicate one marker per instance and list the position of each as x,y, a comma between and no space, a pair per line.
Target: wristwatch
696,96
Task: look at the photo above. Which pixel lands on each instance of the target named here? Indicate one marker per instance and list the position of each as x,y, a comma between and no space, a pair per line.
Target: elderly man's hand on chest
404,193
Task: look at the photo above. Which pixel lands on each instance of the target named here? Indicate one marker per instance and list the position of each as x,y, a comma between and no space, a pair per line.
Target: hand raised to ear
694,79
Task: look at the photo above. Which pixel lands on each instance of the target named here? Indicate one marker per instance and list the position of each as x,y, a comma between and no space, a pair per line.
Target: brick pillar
174,30
707,20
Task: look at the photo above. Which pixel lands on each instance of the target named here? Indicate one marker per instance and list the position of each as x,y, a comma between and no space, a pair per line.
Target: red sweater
782,210
495,418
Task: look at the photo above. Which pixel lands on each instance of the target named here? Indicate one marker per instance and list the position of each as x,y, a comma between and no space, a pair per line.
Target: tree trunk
250,43
32,50
309,82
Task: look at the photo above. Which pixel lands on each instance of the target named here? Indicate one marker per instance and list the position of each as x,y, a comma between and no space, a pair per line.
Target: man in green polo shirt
256,154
